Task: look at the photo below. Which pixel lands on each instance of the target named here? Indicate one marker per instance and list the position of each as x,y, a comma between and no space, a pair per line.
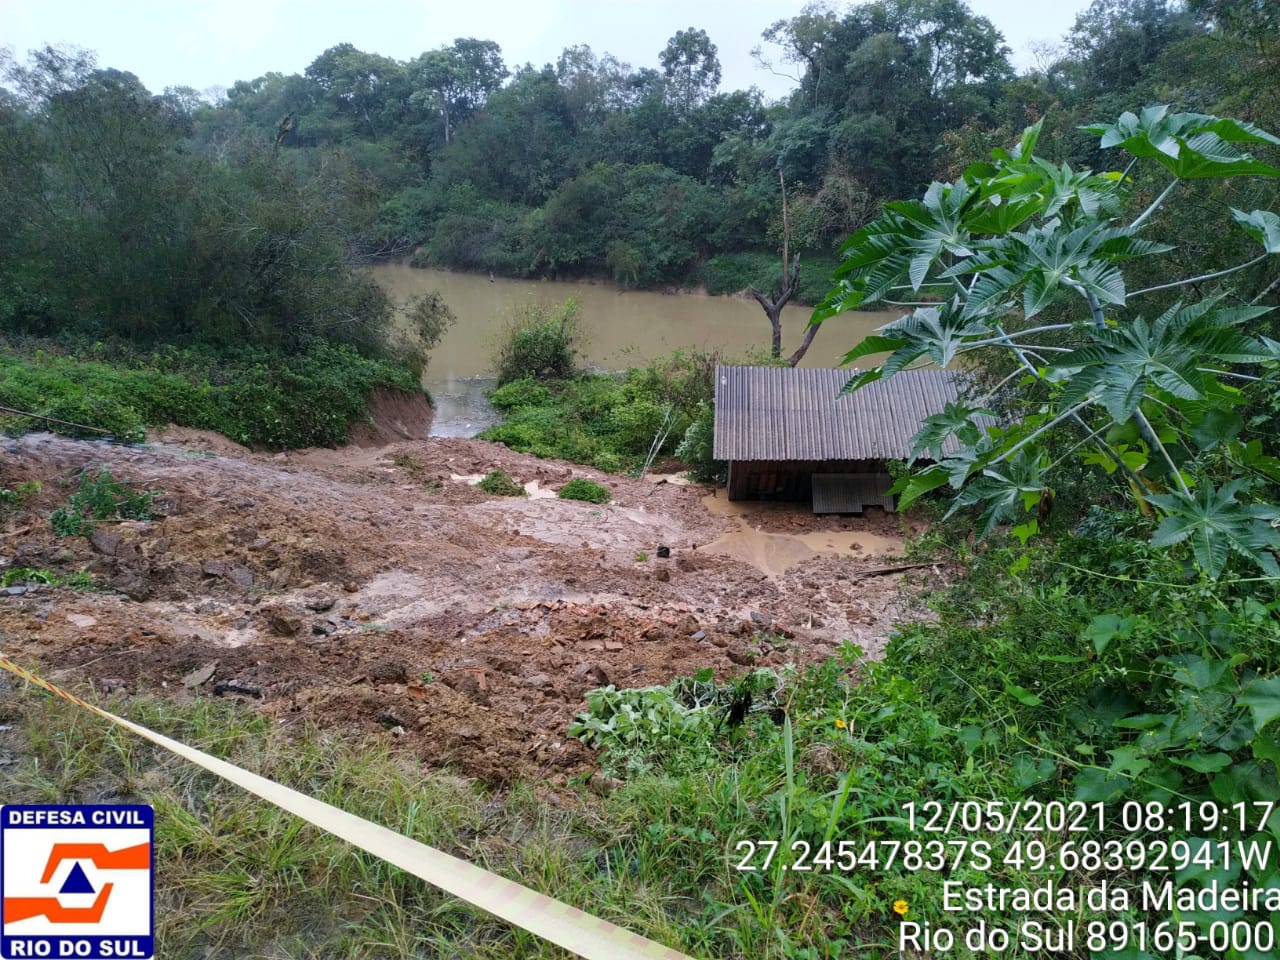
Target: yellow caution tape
566,926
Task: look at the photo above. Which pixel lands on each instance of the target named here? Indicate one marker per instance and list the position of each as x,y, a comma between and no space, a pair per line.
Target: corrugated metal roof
792,413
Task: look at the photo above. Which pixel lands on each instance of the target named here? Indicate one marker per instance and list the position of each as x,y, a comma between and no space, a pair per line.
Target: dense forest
649,175
239,222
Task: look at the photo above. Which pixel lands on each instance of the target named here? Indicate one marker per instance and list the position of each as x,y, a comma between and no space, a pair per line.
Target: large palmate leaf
901,246
1216,524
1047,257
936,332
1190,145
1004,490
956,419
1122,362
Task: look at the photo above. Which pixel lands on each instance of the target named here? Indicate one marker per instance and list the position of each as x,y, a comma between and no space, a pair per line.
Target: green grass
500,484
585,490
253,396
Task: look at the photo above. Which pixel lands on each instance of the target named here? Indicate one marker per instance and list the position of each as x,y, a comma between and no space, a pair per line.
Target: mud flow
375,588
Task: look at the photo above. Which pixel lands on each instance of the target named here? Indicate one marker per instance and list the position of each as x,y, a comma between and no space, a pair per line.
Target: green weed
99,497
580,488
500,484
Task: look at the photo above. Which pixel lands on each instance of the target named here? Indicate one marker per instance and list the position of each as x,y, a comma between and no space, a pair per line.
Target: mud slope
376,588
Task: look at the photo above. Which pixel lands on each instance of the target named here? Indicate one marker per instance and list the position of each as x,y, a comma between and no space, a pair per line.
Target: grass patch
580,488
27,576
500,484
254,396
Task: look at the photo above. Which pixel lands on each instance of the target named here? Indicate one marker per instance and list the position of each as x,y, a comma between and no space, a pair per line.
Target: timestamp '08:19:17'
1074,816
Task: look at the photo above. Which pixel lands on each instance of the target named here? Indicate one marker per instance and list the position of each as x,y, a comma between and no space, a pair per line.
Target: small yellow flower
840,724
900,907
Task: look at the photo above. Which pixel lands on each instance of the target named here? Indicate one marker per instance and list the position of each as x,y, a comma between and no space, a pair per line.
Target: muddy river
622,328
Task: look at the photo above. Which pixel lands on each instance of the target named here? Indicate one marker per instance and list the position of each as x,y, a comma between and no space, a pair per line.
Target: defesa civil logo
77,881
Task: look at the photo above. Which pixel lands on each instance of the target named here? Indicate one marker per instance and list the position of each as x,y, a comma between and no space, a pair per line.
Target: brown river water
622,328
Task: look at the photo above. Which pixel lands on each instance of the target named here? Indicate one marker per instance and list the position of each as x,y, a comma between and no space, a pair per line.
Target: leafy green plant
672,728
579,488
98,497
539,342
500,484
80,580
641,557
1158,399
15,498
697,448
26,575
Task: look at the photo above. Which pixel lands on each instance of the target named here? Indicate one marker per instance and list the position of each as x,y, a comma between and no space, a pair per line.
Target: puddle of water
775,553
537,492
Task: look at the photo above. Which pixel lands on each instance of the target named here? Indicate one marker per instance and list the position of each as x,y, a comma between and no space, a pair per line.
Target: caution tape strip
551,919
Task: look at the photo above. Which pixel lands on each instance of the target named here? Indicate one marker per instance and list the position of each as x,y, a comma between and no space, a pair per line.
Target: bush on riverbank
256,397
539,342
610,421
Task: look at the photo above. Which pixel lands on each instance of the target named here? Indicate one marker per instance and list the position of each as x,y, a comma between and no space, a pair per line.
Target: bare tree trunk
773,308
810,332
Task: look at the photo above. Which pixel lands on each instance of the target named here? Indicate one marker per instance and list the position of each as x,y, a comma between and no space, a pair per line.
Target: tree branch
1205,276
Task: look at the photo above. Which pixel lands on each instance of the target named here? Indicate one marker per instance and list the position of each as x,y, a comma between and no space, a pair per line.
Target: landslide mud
368,589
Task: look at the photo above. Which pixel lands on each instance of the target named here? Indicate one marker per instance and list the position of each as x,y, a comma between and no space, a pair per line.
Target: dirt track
374,587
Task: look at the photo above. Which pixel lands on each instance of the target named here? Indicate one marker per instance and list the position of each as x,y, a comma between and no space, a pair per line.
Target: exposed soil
375,587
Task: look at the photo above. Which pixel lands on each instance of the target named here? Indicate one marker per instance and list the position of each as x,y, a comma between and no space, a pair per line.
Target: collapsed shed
787,434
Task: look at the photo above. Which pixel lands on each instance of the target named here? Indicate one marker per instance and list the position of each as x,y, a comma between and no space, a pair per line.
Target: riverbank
326,395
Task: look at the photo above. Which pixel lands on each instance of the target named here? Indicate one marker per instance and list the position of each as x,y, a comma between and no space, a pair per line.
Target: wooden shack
787,434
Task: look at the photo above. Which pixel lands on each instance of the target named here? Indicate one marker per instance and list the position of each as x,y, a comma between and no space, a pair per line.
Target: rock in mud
105,542
282,620
235,686
200,676
133,587
320,602
388,671
538,681
662,574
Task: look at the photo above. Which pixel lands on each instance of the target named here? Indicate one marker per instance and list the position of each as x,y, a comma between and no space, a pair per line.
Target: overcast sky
207,43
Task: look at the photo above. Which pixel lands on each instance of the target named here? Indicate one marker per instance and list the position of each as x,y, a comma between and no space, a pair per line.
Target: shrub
256,397
582,489
99,497
519,394
539,343
500,484
697,448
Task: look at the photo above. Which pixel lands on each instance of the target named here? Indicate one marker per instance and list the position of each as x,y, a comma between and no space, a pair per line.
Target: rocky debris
105,542
388,671
479,629
239,688
200,676
319,602
282,619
